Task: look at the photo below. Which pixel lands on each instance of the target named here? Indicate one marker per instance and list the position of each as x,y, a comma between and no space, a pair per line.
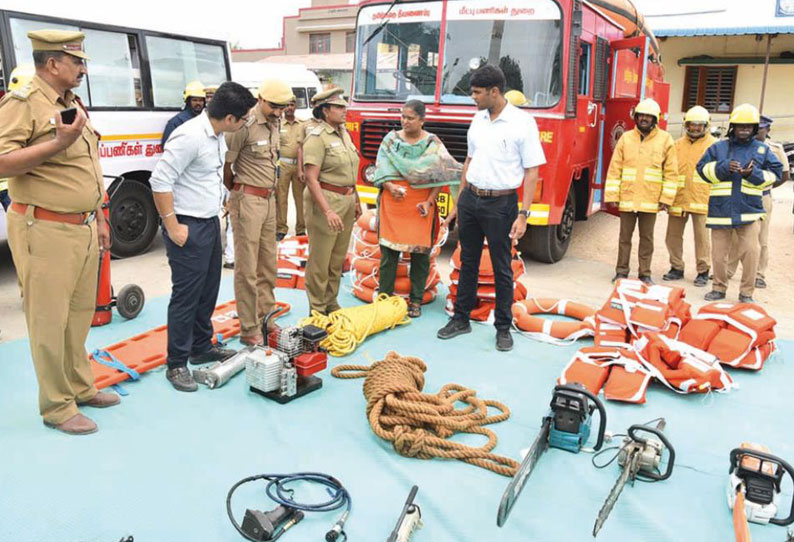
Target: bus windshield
400,61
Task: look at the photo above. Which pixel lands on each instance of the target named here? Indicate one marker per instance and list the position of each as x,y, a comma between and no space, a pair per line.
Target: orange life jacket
290,273
738,334
615,370
641,309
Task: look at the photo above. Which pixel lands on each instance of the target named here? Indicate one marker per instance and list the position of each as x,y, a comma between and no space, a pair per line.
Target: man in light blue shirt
187,184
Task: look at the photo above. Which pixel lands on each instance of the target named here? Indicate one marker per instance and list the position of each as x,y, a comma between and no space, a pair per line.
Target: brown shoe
76,425
102,400
252,340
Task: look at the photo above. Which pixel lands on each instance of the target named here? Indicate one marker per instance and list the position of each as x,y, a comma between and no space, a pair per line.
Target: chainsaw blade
513,490
612,498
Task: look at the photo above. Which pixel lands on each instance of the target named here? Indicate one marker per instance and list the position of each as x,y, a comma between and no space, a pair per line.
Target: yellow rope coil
420,424
349,327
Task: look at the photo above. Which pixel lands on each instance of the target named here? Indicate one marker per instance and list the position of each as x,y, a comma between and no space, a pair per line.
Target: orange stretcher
148,350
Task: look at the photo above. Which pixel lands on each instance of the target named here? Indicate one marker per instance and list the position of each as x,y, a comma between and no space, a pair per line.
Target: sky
246,23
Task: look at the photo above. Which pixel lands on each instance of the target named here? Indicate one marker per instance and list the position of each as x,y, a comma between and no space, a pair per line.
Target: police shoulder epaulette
22,93
317,130
251,120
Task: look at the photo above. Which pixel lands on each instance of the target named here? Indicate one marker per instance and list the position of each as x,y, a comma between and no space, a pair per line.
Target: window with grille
710,86
319,43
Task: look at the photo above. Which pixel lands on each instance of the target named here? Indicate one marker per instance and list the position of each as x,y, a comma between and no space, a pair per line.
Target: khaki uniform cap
63,41
331,96
275,91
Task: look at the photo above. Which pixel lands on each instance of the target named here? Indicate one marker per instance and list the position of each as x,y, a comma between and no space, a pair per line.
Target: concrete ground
583,275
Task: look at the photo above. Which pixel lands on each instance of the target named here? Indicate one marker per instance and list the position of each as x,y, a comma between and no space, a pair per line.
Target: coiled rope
420,424
349,327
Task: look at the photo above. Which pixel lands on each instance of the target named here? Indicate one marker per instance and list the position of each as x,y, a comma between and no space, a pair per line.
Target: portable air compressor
755,477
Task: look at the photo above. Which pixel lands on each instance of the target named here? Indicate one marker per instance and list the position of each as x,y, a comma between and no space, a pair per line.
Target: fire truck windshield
401,60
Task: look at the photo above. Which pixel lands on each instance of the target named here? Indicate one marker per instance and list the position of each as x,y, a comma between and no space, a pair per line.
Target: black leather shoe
216,353
673,274
746,299
714,295
181,379
619,276
504,340
702,279
760,283
454,327
647,280
280,236
228,265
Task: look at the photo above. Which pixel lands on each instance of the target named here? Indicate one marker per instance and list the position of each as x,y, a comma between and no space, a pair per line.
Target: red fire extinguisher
130,300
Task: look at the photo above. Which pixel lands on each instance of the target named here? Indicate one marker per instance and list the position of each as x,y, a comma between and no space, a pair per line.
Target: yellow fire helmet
194,89
276,92
697,114
516,97
745,114
21,76
648,107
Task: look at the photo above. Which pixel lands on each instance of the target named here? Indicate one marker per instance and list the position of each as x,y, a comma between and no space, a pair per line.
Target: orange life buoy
488,291
486,269
368,221
369,295
482,312
524,315
402,285
371,266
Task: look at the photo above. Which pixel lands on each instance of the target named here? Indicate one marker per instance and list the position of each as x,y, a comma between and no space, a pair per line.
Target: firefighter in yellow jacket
691,199
642,179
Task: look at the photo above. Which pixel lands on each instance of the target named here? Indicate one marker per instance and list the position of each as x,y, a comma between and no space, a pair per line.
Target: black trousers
486,218
195,280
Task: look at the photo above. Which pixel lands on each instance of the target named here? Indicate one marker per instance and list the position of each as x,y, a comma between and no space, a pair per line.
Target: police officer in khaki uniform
291,174
55,225
763,234
331,202
250,173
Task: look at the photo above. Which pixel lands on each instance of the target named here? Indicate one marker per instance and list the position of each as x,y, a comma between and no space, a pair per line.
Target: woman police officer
331,204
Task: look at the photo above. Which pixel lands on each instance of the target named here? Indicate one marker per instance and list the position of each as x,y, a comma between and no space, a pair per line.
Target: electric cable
277,490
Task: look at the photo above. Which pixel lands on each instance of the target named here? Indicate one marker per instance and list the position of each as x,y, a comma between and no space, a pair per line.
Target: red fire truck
572,60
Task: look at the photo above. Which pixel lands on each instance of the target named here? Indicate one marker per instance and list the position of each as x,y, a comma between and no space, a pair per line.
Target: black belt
490,193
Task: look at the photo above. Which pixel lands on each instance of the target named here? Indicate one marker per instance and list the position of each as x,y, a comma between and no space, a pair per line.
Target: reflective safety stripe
710,172
699,206
751,190
718,220
752,217
626,206
612,184
649,206
628,177
721,189
676,210
769,179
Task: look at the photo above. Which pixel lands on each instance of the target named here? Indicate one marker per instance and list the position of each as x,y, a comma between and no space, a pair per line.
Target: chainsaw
639,457
754,488
566,426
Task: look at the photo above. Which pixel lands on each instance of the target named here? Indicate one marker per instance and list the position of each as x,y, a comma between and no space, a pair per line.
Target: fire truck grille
453,135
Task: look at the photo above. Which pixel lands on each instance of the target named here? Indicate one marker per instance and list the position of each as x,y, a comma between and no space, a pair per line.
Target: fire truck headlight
369,173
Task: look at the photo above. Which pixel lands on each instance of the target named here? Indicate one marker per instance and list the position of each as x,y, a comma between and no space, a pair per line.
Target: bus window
300,98
114,76
174,63
584,68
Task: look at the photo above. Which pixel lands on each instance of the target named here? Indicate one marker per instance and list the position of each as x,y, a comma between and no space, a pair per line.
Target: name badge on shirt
335,144
262,143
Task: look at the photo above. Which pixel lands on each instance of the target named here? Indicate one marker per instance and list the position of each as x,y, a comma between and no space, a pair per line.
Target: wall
778,102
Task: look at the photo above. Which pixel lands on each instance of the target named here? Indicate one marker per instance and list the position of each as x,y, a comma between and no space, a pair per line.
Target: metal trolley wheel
130,301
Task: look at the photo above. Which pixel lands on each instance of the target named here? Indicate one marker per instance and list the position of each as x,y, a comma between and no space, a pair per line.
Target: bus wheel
133,219
548,244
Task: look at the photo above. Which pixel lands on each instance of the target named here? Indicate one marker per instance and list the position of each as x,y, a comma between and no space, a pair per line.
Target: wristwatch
524,213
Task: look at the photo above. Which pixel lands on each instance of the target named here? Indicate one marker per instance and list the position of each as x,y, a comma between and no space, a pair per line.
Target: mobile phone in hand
68,115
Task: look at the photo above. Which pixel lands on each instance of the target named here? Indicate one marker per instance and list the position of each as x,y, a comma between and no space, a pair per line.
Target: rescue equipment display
409,521
639,457
754,488
283,370
365,263
567,426
486,290
259,526
553,331
349,327
291,258
131,357
421,424
130,300
740,335
219,373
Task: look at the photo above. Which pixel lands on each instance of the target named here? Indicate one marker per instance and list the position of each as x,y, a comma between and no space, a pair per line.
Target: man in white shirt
187,184
504,153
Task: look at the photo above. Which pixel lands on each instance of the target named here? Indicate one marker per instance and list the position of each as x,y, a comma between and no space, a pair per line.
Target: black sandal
414,310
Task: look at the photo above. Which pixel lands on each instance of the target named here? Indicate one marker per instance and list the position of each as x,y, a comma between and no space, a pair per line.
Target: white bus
305,83
134,85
